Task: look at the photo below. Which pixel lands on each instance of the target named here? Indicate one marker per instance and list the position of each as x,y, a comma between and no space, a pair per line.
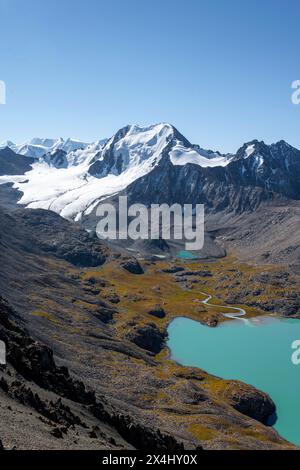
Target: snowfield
181,156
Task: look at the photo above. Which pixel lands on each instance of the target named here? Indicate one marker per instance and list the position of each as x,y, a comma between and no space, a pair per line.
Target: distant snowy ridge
37,148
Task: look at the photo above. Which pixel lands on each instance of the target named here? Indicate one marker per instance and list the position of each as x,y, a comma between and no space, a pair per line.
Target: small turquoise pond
256,351
186,255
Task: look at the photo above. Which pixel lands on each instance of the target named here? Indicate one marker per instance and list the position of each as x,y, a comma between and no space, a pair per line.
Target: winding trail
237,316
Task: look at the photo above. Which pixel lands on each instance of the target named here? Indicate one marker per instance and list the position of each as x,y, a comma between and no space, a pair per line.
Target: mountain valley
85,320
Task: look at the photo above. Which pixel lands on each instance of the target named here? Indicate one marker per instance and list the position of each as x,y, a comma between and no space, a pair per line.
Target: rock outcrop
148,337
173,269
250,401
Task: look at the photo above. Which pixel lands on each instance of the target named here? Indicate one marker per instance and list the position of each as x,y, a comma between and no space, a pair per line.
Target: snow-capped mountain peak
132,147
144,147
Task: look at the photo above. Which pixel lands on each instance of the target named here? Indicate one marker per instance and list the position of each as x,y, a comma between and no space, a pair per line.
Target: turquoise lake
256,351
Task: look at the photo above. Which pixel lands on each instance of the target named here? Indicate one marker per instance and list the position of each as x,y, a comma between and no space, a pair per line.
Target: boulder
157,312
132,266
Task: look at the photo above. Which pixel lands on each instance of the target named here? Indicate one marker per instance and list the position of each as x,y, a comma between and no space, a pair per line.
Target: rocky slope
58,409
270,235
12,163
86,361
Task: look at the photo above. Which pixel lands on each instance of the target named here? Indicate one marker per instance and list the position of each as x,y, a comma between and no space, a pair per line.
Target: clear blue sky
219,70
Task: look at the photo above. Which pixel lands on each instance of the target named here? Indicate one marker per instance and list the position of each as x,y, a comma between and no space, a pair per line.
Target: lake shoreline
190,344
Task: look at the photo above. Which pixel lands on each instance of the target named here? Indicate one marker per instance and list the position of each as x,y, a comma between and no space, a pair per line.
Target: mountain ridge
72,177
